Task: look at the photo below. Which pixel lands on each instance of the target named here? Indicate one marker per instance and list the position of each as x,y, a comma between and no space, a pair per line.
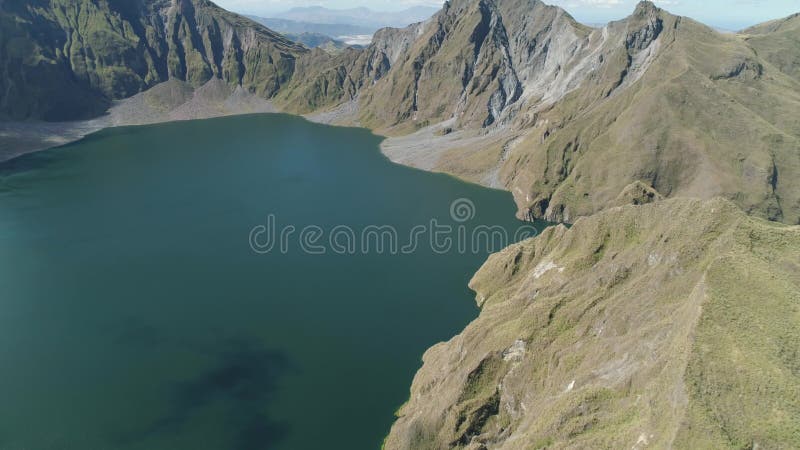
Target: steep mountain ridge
467,64
500,54
670,325
707,118
69,59
518,95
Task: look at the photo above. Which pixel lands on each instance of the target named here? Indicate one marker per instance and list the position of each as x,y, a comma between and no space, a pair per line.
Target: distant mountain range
286,26
359,17
316,40
335,28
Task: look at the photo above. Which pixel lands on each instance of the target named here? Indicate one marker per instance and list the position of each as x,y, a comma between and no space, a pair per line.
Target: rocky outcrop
642,326
637,193
69,59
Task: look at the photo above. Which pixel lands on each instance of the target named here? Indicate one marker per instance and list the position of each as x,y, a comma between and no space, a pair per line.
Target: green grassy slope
670,325
779,43
323,79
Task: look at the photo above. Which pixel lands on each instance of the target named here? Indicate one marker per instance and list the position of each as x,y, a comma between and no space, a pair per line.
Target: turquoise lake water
135,314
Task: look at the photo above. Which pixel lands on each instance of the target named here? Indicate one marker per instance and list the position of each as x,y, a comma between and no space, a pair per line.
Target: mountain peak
645,8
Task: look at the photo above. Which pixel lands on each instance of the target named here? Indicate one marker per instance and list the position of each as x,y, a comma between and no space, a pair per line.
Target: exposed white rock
544,267
515,352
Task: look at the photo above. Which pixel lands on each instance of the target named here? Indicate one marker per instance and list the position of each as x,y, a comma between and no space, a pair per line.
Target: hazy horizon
716,13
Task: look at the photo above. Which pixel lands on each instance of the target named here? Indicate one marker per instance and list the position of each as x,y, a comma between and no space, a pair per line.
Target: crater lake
161,287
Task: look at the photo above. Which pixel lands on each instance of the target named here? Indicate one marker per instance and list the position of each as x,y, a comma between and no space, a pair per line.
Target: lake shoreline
176,101
171,101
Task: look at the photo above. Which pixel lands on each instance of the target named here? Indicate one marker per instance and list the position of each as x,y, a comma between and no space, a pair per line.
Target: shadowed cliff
67,60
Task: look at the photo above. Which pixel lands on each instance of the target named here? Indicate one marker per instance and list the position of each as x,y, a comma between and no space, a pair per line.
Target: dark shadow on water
27,162
245,379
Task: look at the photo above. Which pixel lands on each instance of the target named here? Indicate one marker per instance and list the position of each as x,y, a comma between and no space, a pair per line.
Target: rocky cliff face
684,109
566,117
67,59
670,325
473,61
490,63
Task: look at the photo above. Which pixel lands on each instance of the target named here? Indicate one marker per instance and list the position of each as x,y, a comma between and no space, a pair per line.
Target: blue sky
730,14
